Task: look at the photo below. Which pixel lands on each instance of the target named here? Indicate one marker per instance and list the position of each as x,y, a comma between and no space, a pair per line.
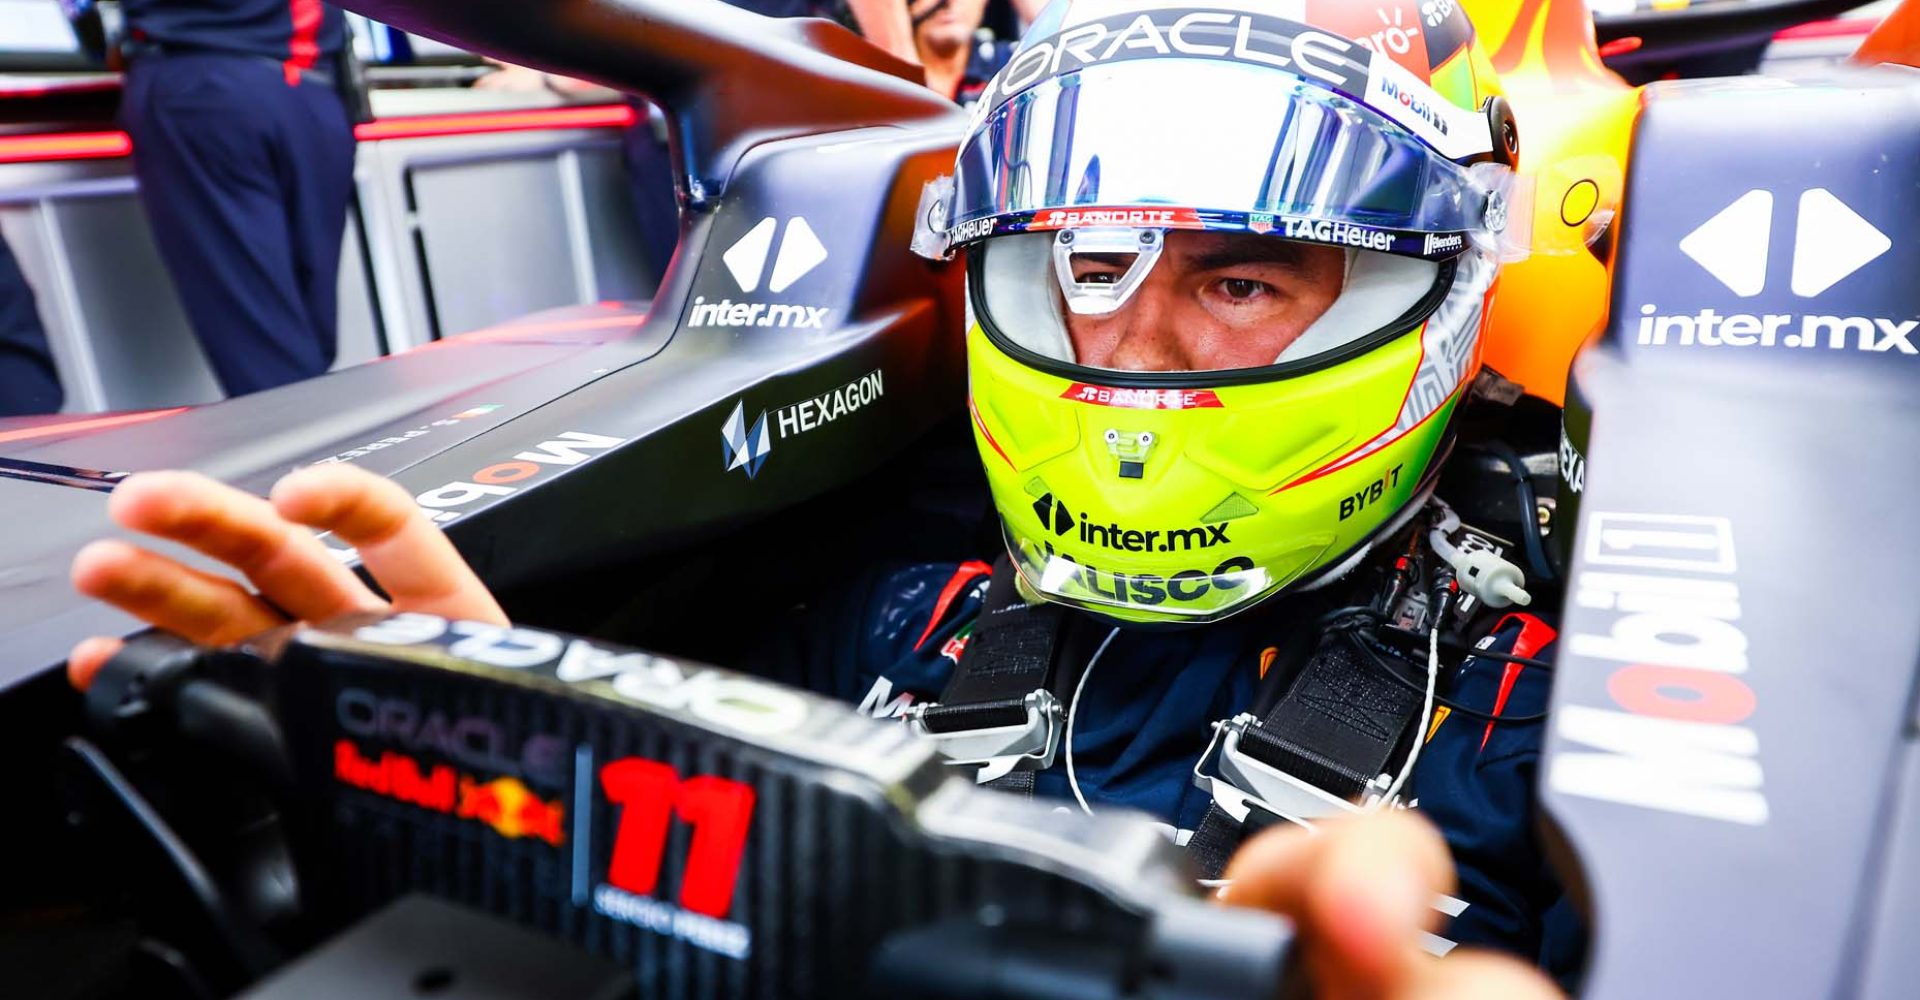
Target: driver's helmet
1114,173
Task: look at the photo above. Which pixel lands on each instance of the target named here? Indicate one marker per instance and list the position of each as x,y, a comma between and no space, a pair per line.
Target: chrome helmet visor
1103,147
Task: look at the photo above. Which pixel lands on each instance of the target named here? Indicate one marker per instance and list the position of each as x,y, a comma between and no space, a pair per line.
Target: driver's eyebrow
1247,251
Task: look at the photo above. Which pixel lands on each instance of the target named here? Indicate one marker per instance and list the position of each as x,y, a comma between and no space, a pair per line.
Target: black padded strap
1336,726
1219,835
1339,723
1214,842
1015,783
1008,656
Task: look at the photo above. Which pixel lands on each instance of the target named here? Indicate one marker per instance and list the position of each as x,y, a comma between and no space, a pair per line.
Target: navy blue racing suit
1144,714
244,152
28,383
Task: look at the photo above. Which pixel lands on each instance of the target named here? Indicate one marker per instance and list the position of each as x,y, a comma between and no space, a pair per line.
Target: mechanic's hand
268,541
1358,892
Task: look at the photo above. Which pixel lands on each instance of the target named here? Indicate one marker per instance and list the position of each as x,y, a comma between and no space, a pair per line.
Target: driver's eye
1242,288
1098,277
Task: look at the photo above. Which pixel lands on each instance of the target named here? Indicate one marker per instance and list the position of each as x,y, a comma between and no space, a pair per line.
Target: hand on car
1359,892
271,543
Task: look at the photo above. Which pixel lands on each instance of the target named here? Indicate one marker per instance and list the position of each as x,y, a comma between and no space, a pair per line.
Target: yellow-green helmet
1100,170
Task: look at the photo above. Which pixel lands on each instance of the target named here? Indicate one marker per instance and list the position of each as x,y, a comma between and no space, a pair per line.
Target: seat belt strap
1338,725
1319,750
997,710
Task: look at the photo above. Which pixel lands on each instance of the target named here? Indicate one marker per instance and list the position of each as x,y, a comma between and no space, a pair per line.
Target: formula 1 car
1706,389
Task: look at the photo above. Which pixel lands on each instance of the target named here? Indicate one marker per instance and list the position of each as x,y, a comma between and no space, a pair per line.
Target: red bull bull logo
512,810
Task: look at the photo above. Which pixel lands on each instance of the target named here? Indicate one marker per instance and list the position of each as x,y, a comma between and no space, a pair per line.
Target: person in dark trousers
244,152
656,206
27,380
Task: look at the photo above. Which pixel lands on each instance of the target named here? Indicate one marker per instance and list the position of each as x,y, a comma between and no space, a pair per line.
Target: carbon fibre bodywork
631,400
1731,767
1731,770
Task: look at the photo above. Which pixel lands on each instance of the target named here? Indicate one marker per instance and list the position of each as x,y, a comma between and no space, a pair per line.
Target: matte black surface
424,947
662,390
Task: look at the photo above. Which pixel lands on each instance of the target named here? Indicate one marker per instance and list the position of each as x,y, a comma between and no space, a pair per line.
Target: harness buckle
1240,781
999,750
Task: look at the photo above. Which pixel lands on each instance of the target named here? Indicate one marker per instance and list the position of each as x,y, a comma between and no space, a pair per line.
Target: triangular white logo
747,257
1732,245
735,433
800,252
745,449
1831,242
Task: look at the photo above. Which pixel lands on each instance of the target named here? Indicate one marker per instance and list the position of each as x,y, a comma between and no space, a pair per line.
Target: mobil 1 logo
1656,610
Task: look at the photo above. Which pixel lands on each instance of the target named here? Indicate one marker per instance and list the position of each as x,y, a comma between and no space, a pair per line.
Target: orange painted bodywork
1895,40
1576,119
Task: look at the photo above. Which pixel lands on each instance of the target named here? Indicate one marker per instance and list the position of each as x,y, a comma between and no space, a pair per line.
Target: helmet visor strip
1103,147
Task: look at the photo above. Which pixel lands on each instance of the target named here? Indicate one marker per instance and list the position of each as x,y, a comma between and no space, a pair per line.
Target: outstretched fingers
288,565
410,557
199,606
271,544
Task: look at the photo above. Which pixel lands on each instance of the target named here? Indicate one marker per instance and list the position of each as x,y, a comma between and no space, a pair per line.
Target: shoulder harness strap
1320,749
997,710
